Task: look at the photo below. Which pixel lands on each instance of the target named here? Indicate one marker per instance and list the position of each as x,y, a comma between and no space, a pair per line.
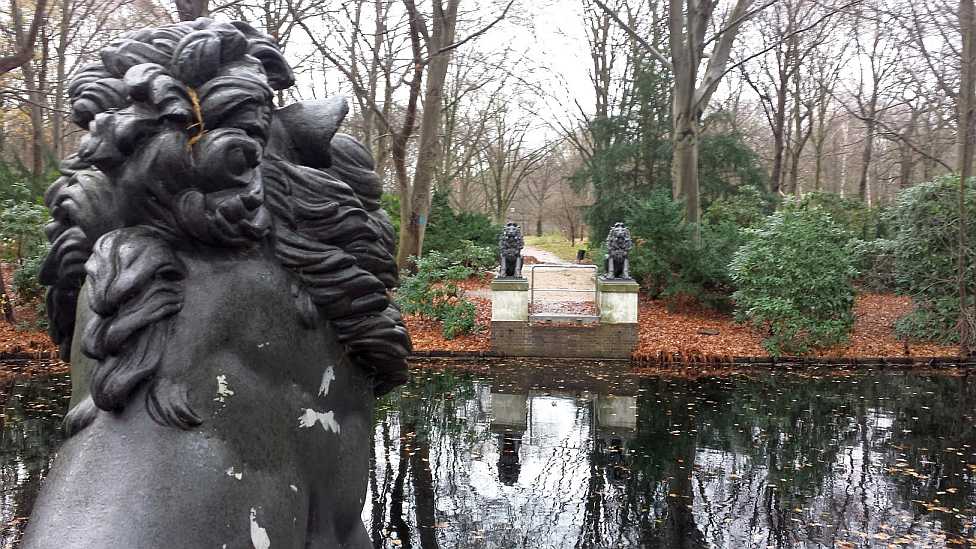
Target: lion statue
218,278
510,244
616,263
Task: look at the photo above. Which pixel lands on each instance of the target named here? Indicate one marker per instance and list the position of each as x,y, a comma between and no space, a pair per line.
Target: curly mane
184,146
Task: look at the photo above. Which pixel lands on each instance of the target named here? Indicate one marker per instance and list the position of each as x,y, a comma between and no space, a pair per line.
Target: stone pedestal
617,300
510,300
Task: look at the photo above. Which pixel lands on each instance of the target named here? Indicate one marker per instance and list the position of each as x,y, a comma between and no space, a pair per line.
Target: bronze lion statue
510,243
218,279
616,263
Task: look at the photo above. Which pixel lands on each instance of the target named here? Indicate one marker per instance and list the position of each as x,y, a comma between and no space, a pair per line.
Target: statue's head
618,240
510,242
184,145
178,119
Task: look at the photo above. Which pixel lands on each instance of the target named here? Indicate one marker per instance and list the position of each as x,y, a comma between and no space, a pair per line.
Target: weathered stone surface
510,299
617,301
562,341
218,278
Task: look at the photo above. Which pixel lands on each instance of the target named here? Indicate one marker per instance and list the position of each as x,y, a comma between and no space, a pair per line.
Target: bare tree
689,24
780,81
508,159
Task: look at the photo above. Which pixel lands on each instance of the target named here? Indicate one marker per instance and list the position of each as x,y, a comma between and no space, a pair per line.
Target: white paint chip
223,391
259,536
327,378
236,474
327,419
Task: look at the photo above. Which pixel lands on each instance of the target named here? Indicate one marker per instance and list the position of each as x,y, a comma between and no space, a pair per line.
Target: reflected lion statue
510,244
218,278
617,262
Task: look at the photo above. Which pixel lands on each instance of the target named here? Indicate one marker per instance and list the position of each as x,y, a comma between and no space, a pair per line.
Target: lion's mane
184,147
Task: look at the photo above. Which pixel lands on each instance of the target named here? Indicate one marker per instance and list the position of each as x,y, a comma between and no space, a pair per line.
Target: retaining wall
536,339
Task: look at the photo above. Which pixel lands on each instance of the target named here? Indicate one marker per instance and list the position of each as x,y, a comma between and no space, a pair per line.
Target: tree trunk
868,151
7,304
57,116
25,42
412,232
779,141
966,103
684,165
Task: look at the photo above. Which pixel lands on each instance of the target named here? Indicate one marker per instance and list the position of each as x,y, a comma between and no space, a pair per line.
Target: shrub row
793,273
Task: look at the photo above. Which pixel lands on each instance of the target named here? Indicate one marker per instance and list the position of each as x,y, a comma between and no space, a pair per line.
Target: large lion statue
510,244
616,263
218,279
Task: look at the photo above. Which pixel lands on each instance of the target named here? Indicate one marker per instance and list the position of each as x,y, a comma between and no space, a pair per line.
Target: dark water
592,456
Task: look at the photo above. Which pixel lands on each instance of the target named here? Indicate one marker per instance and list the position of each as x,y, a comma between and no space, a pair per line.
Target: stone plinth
617,301
510,300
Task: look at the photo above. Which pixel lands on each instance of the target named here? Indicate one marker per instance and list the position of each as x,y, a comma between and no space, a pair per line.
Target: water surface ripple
591,455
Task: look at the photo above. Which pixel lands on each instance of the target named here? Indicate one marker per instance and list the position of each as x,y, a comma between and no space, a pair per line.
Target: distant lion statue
510,244
618,244
218,278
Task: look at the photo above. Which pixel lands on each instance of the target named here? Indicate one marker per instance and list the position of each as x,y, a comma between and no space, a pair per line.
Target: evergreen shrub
432,292
794,277
925,250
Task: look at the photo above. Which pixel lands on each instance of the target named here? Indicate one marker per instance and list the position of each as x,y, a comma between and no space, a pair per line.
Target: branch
738,20
472,36
790,35
640,40
356,84
26,51
715,69
896,135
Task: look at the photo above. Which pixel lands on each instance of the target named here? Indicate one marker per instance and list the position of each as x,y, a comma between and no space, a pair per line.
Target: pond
524,454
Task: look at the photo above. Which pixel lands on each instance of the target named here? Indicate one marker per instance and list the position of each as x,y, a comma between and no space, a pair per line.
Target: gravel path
555,302
543,256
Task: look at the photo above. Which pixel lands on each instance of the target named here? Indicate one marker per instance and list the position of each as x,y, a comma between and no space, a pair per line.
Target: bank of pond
539,454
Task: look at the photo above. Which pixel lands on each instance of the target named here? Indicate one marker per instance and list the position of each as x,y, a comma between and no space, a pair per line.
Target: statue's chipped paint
327,420
328,376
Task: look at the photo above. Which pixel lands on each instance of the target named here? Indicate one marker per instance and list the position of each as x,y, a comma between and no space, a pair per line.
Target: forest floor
692,333
688,333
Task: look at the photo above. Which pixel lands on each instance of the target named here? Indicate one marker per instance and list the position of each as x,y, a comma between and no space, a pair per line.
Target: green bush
22,228
850,214
926,248
459,319
666,259
26,285
446,229
662,241
875,264
432,292
474,257
795,279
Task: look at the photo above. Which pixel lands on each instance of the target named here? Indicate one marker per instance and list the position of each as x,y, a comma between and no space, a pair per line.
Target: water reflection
30,432
592,456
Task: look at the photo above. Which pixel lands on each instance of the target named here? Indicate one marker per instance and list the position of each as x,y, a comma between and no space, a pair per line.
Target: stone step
567,318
